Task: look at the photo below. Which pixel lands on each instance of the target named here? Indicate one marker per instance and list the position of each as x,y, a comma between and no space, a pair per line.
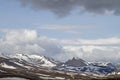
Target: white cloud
92,50
57,27
72,30
101,42
28,41
21,36
66,27
94,53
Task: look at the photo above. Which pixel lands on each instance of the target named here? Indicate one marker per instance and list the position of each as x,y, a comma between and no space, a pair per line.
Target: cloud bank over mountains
64,7
28,41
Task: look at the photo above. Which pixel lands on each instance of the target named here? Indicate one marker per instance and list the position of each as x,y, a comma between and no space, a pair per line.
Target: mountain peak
76,62
37,60
75,58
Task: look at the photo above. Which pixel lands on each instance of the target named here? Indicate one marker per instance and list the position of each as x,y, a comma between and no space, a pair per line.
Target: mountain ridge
38,63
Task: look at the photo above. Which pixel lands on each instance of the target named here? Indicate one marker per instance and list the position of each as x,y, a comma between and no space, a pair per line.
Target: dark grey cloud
64,7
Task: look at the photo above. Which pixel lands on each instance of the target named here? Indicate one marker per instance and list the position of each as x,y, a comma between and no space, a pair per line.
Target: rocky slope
79,65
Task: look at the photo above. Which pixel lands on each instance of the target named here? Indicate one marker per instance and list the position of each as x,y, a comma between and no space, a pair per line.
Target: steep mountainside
79,65
76,62
27,61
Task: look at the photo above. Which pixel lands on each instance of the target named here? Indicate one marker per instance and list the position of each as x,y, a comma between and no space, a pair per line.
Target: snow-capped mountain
35,67
76,62
26,61
13,63
79,65
35,60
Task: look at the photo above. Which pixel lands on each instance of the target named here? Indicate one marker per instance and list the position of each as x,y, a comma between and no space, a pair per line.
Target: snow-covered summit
35,59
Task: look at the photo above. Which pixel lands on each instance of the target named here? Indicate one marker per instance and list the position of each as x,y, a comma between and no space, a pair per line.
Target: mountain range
37,63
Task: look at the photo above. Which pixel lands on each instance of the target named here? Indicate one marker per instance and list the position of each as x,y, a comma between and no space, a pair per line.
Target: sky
61,29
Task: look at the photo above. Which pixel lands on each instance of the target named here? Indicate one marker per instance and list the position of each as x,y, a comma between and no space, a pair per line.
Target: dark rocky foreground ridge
51,75
40,75
40,69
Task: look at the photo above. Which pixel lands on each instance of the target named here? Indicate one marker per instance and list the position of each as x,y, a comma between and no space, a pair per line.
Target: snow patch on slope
7,66
28,67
